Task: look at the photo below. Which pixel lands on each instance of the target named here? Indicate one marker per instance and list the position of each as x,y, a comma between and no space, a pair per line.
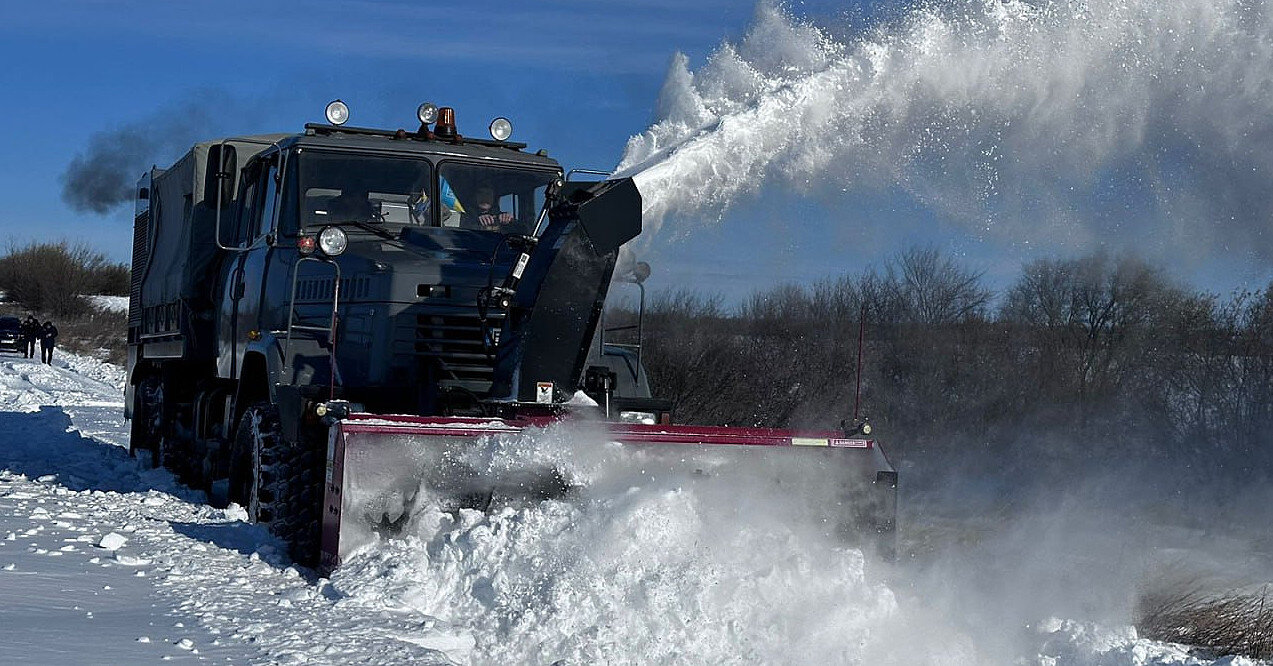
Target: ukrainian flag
448,197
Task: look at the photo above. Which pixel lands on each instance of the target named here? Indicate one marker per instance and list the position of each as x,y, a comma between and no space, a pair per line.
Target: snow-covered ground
104,561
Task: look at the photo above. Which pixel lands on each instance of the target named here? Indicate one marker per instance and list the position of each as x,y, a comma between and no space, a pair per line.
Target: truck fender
258,375
260,379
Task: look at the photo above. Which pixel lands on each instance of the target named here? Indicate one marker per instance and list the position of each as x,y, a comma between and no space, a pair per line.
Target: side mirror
218,190
640,272
219,180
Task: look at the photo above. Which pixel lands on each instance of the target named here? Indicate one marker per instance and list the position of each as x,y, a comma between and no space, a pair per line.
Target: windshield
399,191
494,198
375,189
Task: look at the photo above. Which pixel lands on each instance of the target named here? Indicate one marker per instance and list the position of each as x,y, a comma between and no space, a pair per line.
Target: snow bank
109,303
1070,643
94,369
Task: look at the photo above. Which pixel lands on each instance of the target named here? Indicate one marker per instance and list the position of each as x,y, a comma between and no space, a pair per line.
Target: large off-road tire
148,436
278,483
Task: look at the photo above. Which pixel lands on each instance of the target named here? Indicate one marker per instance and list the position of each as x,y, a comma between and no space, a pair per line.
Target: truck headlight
646,418
332,241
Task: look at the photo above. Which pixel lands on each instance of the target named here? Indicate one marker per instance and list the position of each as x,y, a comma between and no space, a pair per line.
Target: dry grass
98,333
1231,622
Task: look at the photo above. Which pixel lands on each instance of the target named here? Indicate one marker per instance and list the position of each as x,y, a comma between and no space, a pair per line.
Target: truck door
228,348
241,309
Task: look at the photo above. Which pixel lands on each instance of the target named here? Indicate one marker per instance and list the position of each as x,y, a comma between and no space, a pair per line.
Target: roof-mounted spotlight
427,113
501,129
337,112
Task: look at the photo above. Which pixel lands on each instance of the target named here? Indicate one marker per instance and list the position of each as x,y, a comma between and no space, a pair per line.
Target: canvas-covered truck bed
175,244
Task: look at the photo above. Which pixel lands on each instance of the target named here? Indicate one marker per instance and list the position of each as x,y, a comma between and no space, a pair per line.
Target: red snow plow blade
382,468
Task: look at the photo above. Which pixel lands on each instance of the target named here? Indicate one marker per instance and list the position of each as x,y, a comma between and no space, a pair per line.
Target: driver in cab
486,213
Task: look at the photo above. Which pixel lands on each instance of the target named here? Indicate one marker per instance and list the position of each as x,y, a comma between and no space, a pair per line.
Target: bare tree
52,277
927,287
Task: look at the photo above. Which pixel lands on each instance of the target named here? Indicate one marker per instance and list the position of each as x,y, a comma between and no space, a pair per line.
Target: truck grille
451,346
322,289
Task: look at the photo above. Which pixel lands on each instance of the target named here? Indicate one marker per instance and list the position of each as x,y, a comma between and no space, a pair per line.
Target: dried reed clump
1232,622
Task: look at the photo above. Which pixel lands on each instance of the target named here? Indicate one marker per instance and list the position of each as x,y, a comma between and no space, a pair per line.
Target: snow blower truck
324,327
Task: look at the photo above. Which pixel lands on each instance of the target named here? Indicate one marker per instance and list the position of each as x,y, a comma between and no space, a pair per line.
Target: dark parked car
10,334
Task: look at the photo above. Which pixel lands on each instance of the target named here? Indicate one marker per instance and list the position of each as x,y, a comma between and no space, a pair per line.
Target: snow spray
639,564
1068,123
636,566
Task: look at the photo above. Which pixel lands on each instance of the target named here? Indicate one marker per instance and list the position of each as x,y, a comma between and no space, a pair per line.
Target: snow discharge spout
1069,122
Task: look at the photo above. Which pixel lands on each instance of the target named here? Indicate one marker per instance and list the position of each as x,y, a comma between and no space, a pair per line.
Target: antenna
857,397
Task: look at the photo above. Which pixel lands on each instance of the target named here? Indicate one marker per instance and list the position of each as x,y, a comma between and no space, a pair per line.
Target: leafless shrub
1233,622
53,277
924,286
689,356
1094,349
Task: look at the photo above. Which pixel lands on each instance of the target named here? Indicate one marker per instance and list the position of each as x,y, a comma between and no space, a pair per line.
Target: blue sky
578,77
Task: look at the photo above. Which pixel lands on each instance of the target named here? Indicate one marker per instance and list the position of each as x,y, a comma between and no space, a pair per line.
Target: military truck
318,317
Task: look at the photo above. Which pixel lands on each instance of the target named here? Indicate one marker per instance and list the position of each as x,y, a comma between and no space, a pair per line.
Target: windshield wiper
366,226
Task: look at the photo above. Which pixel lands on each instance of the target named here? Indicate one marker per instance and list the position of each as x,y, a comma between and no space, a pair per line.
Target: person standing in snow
30,331
48,338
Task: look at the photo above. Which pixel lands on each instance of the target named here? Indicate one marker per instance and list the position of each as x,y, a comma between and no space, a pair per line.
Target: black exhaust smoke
102,177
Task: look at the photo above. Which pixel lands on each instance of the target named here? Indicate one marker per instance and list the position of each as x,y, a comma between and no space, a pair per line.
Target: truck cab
412,272
360,265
